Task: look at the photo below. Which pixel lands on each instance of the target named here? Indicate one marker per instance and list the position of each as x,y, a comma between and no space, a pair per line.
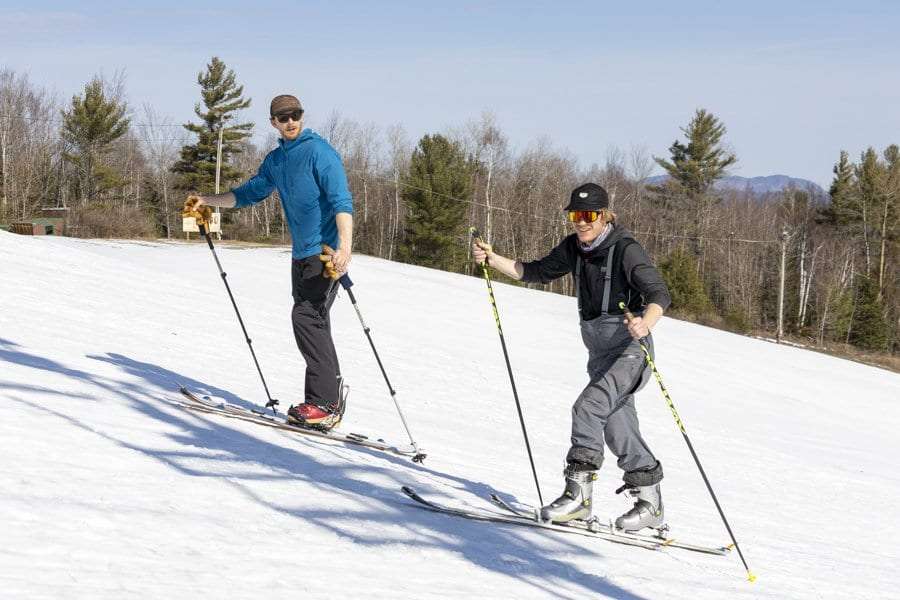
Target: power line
446,197
58,121
534,216
366,174
705,239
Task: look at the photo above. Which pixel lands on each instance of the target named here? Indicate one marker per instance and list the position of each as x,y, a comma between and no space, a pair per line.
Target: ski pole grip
628,314
345,281
475,233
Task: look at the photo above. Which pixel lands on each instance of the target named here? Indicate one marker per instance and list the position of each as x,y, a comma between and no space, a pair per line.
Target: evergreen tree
871,177
95,120
439,176
693,169
890,215
844,206
686,288
870,330
222,99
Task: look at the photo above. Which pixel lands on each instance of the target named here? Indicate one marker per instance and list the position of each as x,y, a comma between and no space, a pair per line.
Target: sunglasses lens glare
588,216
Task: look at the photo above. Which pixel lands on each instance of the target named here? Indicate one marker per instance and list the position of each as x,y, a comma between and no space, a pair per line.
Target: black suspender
607,280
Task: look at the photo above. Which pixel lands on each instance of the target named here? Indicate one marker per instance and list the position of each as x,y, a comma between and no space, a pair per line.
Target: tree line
122,171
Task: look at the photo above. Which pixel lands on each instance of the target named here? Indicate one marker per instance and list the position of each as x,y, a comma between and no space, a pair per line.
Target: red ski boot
317,417
312,416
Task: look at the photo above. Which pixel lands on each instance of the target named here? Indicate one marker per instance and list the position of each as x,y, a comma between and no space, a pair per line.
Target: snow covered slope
108,490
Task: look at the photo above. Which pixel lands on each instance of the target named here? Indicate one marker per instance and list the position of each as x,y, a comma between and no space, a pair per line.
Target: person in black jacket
609,267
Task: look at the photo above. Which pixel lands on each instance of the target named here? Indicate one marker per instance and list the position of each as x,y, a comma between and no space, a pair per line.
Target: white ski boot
647,511
575,502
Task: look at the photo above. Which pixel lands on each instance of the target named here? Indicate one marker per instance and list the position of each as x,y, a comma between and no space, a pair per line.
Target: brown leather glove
202,213
328,267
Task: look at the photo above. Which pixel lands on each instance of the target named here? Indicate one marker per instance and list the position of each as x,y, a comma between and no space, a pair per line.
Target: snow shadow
211,446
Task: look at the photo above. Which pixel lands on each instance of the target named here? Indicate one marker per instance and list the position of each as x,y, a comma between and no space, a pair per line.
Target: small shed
51,225
27,228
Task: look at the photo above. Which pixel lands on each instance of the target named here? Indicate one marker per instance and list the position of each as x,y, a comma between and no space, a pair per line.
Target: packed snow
109,489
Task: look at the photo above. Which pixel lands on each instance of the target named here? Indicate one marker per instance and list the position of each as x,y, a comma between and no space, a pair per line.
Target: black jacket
635,281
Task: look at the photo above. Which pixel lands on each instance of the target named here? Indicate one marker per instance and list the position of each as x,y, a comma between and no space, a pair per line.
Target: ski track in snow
111,491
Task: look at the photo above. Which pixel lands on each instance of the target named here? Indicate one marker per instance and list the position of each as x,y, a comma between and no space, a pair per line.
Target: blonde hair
607,216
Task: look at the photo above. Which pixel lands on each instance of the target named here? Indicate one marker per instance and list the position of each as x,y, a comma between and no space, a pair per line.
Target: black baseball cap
588,196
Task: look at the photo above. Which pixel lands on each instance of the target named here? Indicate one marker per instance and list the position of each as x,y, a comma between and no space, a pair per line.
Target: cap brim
582,205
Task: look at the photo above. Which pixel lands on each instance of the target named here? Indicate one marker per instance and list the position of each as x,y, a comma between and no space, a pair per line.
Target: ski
596,525
495,517
225,409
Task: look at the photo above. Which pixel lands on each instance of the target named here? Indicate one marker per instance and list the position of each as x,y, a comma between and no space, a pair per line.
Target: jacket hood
305,136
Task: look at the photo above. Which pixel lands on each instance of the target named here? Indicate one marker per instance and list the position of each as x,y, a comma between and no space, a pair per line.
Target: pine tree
870,330
844,206
689,296
871,177
222,99
693,169
439,177
95,120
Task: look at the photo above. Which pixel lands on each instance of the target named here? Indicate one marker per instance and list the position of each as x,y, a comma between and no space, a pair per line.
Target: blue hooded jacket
310,179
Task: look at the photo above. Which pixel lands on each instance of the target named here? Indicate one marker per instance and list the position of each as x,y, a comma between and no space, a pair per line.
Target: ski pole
272,402
680,423
346,283
487,278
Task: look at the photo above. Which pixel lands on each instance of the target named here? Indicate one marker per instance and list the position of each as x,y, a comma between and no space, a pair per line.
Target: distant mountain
759,185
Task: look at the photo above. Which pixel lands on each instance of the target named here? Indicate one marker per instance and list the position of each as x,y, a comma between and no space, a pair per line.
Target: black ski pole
680,423
487,278
346,283
272,402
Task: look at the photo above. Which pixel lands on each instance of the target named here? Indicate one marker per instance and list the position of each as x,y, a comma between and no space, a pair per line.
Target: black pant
313,297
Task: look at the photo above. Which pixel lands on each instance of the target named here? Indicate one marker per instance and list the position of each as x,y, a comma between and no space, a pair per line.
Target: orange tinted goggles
588,216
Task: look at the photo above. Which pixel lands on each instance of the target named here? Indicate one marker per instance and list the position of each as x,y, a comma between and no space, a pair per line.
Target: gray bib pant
605,411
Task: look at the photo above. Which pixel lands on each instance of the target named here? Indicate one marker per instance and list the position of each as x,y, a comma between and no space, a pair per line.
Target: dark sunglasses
294,115
588,216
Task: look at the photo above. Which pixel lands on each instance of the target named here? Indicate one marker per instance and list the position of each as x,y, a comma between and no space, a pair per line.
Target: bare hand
341,260
482,252
637,328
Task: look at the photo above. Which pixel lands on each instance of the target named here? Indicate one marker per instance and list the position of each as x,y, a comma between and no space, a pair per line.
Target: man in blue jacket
310,179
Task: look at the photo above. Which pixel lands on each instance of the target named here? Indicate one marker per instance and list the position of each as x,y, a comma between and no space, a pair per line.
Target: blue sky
794,82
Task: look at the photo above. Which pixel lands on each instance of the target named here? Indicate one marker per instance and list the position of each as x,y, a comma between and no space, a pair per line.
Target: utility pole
780,333
219,167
